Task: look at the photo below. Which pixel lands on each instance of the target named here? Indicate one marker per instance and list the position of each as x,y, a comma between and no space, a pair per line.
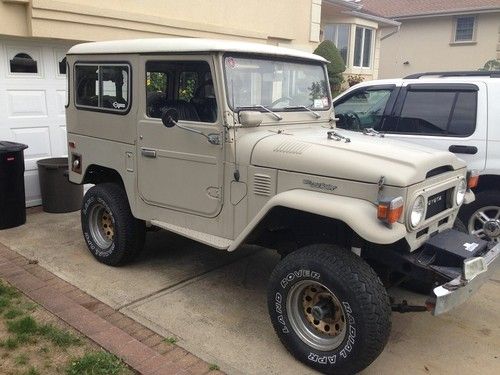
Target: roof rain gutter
372,17
344,4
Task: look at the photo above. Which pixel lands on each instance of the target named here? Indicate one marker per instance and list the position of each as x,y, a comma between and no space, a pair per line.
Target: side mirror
170,117
250,119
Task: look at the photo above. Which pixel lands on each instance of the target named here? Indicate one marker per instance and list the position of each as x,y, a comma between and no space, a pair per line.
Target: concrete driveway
215,303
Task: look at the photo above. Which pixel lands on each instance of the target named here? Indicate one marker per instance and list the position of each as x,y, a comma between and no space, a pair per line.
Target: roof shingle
409,8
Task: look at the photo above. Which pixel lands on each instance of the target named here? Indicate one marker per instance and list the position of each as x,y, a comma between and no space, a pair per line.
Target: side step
207,239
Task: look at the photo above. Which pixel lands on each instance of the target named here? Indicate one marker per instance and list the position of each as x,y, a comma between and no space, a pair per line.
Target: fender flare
360,215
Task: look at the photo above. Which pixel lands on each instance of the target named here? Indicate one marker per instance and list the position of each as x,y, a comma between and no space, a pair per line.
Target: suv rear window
102,87
438,113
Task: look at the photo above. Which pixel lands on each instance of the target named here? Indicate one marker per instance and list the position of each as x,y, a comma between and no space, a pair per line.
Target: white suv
455,111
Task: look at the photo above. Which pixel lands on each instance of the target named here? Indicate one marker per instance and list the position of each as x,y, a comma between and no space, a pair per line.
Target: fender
359,214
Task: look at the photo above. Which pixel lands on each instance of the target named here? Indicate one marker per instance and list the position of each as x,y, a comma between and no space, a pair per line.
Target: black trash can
58,194
12,199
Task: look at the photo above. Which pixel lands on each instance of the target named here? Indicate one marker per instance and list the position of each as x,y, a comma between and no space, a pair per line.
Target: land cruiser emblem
118,105
319,185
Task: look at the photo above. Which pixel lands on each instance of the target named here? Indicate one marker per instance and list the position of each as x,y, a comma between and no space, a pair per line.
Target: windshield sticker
325,102
318,103
230,62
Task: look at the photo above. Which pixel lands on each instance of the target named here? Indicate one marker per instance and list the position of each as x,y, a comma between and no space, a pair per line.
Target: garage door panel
32,188
61,102
38,141
26,103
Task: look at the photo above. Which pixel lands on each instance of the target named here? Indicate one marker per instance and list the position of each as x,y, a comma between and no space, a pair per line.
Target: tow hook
403,307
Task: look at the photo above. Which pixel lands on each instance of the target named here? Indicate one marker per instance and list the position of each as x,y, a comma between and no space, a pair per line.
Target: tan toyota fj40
229,143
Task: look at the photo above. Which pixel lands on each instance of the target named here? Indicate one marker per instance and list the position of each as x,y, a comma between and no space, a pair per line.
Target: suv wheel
483,215
329,309
112,234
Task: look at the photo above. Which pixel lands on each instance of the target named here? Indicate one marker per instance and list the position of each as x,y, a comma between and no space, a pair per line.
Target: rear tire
113,235
329,309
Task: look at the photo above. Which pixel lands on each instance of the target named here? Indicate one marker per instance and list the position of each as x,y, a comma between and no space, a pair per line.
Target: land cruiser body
455,111
229,143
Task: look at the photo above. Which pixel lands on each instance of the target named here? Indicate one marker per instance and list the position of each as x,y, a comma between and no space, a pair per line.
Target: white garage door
32,99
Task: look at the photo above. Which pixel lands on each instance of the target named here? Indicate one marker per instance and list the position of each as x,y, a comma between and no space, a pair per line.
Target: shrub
354,79
336,65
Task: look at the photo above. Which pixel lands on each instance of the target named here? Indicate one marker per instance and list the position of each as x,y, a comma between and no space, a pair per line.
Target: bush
336,65
354,79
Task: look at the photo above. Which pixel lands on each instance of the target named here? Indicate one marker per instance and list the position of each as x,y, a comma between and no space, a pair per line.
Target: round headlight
417,211
460,192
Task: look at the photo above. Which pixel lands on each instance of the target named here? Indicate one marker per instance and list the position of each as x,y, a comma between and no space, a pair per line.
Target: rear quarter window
438,113
103,87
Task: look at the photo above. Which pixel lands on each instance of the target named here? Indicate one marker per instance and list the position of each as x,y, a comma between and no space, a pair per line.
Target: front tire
329,309
113,235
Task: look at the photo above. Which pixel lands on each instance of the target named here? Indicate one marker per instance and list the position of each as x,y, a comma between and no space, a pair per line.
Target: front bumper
475,273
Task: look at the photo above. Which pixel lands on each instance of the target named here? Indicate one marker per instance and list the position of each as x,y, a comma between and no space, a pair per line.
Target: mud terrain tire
113,235
358,294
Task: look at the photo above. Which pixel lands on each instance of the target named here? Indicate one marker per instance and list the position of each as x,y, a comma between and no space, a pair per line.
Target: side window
438,113
102,86
186,86
62,66
87,85
363,109
23,63
188,82
114,83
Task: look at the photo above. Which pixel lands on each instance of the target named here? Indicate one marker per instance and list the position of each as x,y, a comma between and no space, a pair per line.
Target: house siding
425,44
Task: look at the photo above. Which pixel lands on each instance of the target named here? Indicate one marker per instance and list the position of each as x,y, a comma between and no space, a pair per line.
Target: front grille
438,203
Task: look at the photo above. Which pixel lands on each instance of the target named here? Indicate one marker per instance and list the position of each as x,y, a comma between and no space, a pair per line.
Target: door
444,116
32,98
180,169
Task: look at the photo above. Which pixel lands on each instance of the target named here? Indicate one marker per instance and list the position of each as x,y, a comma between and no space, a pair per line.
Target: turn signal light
390,209
472,179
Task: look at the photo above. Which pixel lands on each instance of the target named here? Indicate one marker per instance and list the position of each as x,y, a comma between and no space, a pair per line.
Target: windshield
279,85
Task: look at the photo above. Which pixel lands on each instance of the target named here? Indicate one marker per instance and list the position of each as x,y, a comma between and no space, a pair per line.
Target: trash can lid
6,146
53,163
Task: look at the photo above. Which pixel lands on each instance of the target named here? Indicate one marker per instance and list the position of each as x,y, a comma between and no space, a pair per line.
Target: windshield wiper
278,117
315,114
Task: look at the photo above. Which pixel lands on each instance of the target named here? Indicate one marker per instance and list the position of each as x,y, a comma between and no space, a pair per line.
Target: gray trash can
58,194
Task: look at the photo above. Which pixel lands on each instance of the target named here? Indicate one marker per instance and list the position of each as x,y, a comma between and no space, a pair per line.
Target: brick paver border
139,347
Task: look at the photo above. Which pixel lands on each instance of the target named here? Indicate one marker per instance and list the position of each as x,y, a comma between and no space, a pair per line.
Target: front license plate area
451,247
437,203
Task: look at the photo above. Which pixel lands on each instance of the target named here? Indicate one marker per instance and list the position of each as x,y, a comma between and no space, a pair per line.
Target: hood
365,158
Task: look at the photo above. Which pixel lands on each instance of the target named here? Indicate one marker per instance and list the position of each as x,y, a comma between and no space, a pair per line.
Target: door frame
207,128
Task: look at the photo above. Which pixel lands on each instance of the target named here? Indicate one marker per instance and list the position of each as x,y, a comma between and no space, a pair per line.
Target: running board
207,239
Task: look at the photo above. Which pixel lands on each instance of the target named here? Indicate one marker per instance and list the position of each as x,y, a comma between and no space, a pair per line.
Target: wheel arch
98,174
488,182
355,214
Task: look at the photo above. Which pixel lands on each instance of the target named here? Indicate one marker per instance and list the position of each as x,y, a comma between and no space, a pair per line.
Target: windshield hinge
372,132
337,137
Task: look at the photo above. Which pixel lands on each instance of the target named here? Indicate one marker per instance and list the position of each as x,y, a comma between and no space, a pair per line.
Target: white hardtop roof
186,45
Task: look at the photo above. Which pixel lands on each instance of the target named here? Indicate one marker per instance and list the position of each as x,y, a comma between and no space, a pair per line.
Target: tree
336,65
491,65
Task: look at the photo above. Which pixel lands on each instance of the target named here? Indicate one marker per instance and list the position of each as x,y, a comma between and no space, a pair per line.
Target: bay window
363,41
338,33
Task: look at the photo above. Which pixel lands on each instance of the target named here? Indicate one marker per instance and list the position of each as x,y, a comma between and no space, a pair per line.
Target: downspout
398,28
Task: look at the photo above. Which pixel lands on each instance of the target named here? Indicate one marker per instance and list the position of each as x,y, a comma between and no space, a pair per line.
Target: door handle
461,149
147,152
